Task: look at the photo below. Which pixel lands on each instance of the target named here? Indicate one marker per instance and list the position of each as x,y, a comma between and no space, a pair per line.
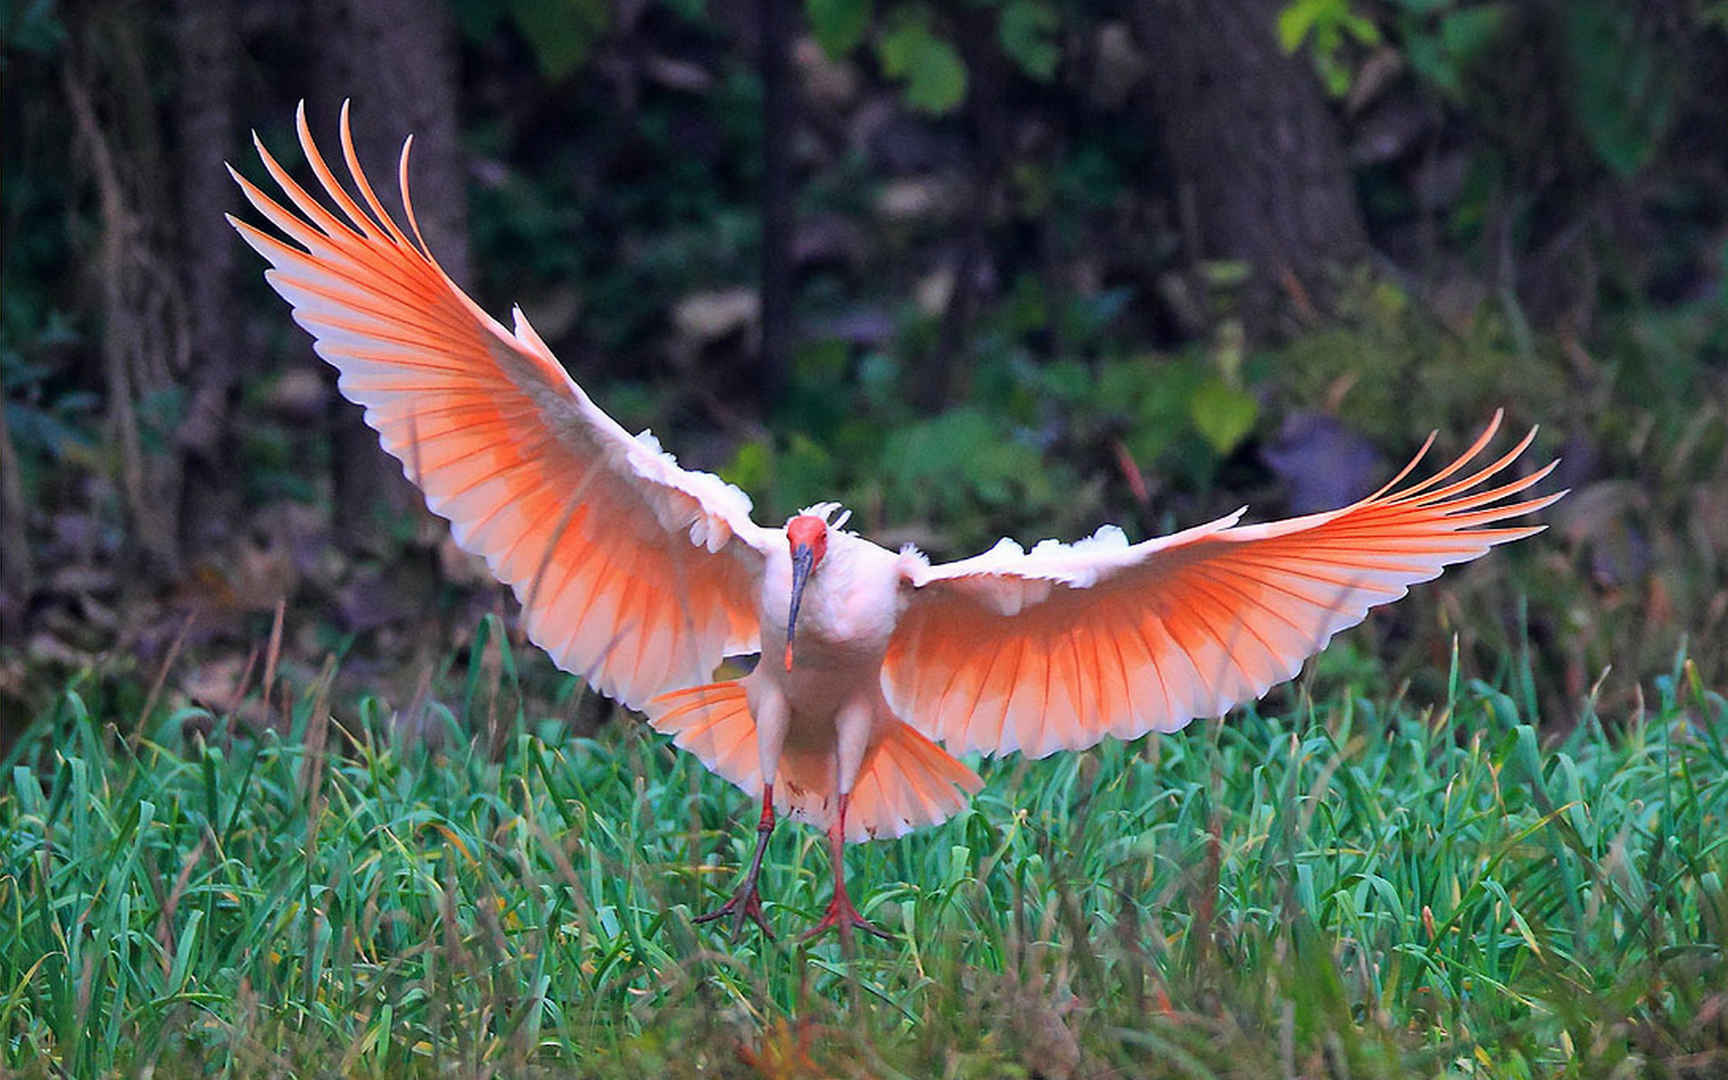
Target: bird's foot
844,918
746,903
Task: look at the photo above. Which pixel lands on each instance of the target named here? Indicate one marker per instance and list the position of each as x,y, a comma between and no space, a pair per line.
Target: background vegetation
978,269
982,268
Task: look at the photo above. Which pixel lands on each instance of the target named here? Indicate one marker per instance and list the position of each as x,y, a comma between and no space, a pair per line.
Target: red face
808,538
809,531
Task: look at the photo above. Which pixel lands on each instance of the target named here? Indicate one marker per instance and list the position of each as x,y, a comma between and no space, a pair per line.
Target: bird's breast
847,613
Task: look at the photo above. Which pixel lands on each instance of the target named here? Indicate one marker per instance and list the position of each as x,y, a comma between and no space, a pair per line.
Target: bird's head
807,536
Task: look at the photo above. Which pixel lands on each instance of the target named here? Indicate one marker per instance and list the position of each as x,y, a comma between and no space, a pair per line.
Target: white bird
641,576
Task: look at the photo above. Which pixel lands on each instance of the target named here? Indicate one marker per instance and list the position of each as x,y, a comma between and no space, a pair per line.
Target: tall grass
1369,887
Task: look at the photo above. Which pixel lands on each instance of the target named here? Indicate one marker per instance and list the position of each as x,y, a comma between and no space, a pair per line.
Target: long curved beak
802,560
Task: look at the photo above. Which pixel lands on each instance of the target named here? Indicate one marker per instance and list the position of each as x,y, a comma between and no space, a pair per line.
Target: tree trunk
776,288
397,60
207,40
143,331
17,576
1260,171
945,375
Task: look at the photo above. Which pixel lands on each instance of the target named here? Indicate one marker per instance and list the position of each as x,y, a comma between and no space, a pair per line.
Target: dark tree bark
776,290
397,60
207,41
1260,171
16,572
144,335
944,375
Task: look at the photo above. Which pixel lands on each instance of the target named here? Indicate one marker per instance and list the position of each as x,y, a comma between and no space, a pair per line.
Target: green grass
1369,888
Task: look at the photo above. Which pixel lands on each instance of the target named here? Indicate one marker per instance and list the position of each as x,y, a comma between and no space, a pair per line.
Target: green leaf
1027,31
1434,64
963,454
1333,75
1324,24
1066,380
478,19
803,473
1225,273
1363,30
1222,414
935,75
1153,393
1623,85
822,362
1299,18
838,25
562,33
1028,308
751,468
1467,32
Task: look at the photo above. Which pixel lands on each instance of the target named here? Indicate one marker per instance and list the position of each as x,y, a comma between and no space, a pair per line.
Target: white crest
831,512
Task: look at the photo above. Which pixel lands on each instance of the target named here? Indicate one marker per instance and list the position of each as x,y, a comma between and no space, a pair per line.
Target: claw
841,915
746,903
844,918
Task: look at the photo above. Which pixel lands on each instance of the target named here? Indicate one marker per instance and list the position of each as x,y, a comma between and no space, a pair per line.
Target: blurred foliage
934,74
30,26
1326,26
913,49
1543,185
1620,67
1622,83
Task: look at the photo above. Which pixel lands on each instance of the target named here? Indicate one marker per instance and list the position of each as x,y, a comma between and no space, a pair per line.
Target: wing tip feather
309,235
1436,506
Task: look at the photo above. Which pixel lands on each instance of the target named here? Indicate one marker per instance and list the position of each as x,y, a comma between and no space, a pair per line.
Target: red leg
841,915
746,903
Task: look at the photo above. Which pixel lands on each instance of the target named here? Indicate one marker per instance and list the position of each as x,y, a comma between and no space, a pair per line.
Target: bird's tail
906,781
713,722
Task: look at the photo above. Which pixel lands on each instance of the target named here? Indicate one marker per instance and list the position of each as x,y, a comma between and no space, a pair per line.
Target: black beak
802,560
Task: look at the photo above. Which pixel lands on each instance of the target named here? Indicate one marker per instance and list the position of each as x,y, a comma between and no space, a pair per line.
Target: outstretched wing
1055,648
632,572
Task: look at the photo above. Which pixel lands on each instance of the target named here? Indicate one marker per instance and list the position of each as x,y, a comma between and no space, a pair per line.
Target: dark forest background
977,268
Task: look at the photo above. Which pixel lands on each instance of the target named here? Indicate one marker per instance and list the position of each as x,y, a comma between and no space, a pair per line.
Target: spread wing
1055,648
632,572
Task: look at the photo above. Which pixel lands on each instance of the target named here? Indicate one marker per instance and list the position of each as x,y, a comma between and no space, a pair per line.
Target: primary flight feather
641,576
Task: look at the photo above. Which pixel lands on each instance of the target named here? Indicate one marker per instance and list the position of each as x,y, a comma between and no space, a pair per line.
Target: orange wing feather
1056,648
632,572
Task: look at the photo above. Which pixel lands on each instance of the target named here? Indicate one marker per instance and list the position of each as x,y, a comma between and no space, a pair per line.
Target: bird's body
642,576
827,709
